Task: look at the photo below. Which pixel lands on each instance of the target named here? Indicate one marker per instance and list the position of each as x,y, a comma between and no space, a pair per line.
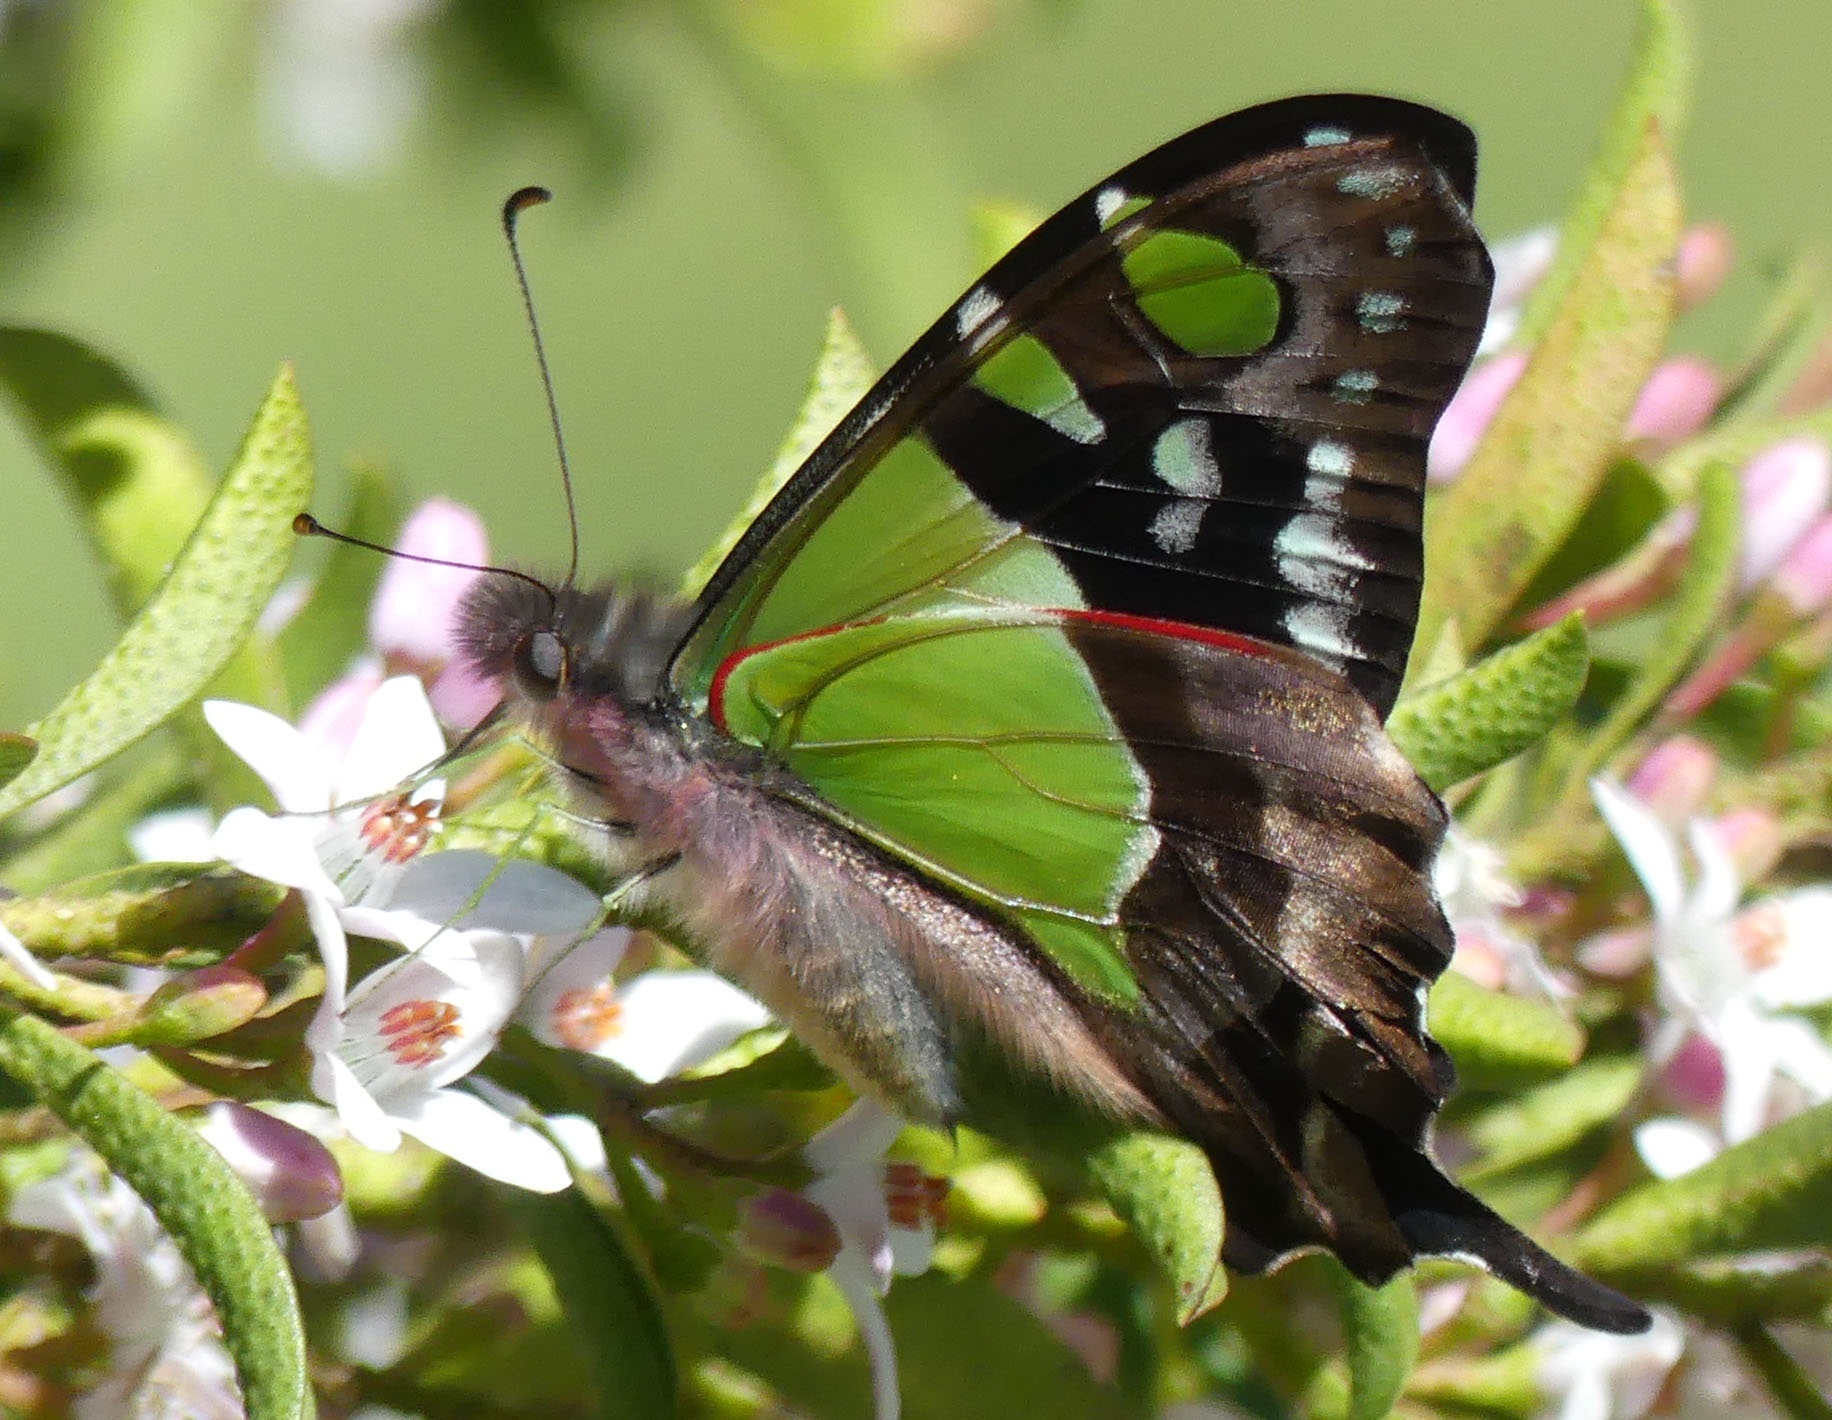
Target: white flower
1729,978
386,1052
1590,1375
1477,894
654,1026
388,1059
168,1358
885,1215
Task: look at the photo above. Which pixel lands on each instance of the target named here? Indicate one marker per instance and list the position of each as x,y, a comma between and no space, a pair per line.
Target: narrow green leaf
16,752
196,1197
1655,93
1381,1326
1166,1192
606,1300
1554,438
1796,1393
202,613
842,374
136,480
1499,1041
1459,727
1548,1120
1773,1192
967,1351
150,914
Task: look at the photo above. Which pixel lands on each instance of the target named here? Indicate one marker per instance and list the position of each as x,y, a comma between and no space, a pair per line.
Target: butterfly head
540,645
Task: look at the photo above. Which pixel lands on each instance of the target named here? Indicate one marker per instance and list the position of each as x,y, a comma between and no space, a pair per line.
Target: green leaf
138,483
1550,1119
606,1300
1655,95
16,752
1459,727
1793,1390
967,1351
1499,1041
1381,1326
842,374
150,914
1165,1191
1773,1192
201,614
1559,430
196,1197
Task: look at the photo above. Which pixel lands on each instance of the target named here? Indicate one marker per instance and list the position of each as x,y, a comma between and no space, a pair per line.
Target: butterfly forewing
1200,393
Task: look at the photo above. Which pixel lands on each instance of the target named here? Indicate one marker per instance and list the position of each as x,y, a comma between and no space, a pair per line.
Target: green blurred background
206,187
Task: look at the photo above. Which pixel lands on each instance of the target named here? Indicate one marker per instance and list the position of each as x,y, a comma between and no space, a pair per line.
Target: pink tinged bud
1804,578
1752,837
1674,778
331,719
1786,488
1619,954
1470,412
1675,403
291,1174
412,617
1694,1077
788,1230
461,698
1704,260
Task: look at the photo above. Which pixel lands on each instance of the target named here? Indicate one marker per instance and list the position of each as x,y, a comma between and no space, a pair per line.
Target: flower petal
369,1125
864,1132
291,766
856,1285
397,738
281,850
1647,844
1671,1146
463,1127
675,1019
516,895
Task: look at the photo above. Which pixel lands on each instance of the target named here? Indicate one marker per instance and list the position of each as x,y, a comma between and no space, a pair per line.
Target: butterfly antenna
519,202
305,525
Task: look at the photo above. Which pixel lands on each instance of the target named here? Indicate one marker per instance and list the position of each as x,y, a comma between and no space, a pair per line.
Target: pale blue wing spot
1183,456
1330,459
1401,240
1356,386
1376,182
1324,136
1380,312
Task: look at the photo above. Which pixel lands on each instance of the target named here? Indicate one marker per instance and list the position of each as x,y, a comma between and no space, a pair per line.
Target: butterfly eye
539,665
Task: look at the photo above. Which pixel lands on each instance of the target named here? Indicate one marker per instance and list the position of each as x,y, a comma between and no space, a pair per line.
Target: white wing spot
977,307
1322,627
1324,135
1184,458
1381,312
1108,201
1356,386
1401,240
1330,458
1175,527
1375,182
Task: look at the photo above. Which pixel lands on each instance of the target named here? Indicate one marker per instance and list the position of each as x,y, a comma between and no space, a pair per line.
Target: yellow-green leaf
201,614
1554,438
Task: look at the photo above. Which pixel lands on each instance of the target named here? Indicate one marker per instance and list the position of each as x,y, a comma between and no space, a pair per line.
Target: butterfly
1041,712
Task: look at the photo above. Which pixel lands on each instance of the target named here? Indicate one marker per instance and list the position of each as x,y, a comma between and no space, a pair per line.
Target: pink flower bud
1752,837
1804,578
411,619
1694,1077
461,698
1674,778
330,720
1705,256
1470,412
788,1230
291,1174
1785,488
1675,403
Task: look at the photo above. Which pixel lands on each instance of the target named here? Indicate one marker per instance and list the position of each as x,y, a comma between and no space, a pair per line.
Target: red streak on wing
1180,630
1148,625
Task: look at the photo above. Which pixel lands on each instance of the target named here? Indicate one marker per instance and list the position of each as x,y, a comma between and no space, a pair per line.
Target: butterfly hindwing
1201,393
